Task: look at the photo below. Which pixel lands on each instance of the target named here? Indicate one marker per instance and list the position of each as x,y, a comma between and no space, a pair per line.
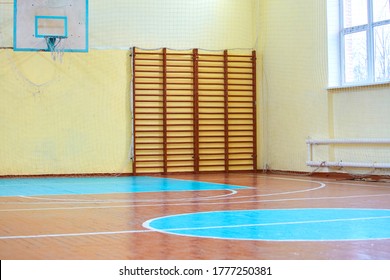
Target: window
361,50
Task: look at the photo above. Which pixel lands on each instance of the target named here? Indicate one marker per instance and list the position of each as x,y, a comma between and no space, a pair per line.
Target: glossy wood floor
111,226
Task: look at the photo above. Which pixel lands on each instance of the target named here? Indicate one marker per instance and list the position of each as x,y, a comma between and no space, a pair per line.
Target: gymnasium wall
67,118
74,116
295,101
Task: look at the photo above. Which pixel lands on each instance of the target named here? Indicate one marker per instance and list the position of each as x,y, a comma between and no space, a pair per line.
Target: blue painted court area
280,224
102,185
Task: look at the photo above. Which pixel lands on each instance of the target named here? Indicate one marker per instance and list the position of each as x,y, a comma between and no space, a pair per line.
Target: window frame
339,76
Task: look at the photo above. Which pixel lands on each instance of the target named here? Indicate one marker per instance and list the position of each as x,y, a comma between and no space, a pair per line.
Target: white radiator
312,142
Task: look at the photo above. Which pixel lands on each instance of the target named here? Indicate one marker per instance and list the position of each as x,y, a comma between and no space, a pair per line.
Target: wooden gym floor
312,218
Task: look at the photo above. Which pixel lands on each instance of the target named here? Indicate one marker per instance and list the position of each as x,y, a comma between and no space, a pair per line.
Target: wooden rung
170,83
180,154
240,136
143,161
147,77
179,113
179,89
211,84
239,55
241,79
148,137
211,60
210,89
181,72
149,155
211,55
150,59
148,149
179,66
149,167
211,165
241,67
181,78
148,65
151,89
212,78
239,73
159,125
211,72
238,95
245,85
182,165
147,119
178,149
212,66
239,61
180,160
208,148
150,71
179,60
148,94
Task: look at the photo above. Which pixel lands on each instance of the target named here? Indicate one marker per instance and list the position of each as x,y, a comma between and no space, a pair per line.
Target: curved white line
207,203
233,192
266,224
172,231
284,193
86,201
189,204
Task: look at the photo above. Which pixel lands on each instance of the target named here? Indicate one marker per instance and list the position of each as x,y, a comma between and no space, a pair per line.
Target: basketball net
56,47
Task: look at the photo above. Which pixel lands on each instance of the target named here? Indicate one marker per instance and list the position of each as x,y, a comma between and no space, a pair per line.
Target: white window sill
350,86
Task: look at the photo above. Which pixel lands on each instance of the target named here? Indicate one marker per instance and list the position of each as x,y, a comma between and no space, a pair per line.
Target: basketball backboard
36,21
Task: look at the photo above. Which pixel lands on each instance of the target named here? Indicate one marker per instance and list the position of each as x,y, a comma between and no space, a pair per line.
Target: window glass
381,10
355,12
355,58
382,52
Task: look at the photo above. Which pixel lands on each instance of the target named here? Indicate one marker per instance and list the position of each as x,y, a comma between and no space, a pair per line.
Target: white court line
151,229
74,234
93,201
172,231
329,181
208,203
233,192
285,193
357,184
190,204
157,205
146,224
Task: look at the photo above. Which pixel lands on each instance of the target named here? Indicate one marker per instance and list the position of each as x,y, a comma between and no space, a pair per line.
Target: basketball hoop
55,46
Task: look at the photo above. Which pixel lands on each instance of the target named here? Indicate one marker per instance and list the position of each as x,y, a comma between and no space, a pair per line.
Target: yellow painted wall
295,102
64,118
362,113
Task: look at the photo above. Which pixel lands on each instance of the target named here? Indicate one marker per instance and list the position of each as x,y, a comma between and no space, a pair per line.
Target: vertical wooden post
226,106
195,56
254,94
134,113
165,150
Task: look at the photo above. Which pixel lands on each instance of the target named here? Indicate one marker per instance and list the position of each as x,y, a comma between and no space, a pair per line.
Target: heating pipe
311,142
